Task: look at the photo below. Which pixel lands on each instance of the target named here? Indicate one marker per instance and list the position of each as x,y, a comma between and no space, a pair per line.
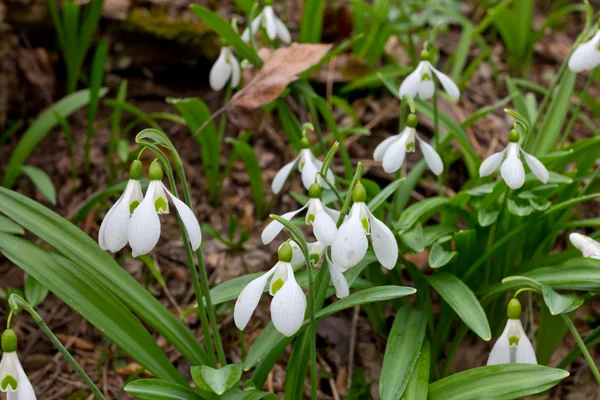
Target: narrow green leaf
421,211
42,181
8,226
418,386
311,24
438,257
159,389
217,380
382,196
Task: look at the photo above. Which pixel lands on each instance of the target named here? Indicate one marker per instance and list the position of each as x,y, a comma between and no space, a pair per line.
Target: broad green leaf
35,292
92,300
401,352
311,24
575,274
42,181
413,238
560,303
549,335
254,171
8,226
89,259
248,394
382,196
438,257
40,128
217,380
496,382
421,211
521,210
463,302
418,385
159,389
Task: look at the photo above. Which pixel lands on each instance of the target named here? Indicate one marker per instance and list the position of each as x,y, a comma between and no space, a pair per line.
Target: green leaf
418,386
224,30
123,149
549,335
497,382
401,352
463,302
518,209
438,257
92,300
413,238
90,260
35,292
382,196
217,380
40,128
42,181
254,171
8,226
560,303
159,389
311,24
96,78
421,211
248,394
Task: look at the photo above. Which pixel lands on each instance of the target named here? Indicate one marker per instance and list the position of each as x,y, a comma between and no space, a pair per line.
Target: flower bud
359,194
136,170
285,252
514,309
9,341
155,172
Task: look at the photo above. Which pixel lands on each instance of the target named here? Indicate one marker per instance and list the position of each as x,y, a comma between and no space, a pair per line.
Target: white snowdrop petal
410,84
491,164
536,166
144,226
448,84
316,250
220,71
309,172
101,241
432,158
500,353
350,243
282,31
525,351
384,243
297,256
248,299
275,227
383,147
254,25
8,367
333,214
161,194
426,89
269,22
588,246
281,272
288,306
339,281
26,391
236,71
329,173
324,228
586,56
192,226
117,224
394,156
512,172
282,176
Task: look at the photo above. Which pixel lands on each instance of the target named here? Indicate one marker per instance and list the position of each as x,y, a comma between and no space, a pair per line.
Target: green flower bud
314,192
514,136
155,172
359,194
9,341
412,120
285,252
425,55
514,309
304,142
136,170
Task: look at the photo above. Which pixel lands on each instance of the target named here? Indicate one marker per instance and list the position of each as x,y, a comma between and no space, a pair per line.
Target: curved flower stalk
420,82
587,55
13,379
113,230
274,27
511,168
513,346
308,165
321,217
392,151
289,302
350,244
225,69
588,246
144,228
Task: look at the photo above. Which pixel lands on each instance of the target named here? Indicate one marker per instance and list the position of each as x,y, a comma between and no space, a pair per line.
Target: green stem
588,84
18,302
217,187
582,346
313,331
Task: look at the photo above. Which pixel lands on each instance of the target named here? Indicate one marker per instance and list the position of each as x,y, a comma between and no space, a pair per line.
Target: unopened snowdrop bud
588,246
144,228
225,69
587,55
513,346
289,302
420,82
511,166
113,230
350,244
392,151
272,25
13,379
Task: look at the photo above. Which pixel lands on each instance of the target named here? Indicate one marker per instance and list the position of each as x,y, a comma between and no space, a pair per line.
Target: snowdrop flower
274,27
587,55
588,246
316,250
350,243
13,379
144,228
420,81
113,230
513,346
512,169
226,68
289,302
392,151
338,279
308,165
322,218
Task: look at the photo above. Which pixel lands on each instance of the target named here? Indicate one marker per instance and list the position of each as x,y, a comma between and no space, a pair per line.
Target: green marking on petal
160,204
311,218
277,285
365,224
314,259
425,77
410,146
9,380
513,341
133,205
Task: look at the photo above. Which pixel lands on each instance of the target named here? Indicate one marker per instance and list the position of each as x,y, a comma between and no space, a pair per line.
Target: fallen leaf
134,368
77,342
280,69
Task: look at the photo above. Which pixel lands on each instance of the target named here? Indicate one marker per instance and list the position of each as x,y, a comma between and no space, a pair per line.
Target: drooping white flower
289,302
309,167
420,81
512,169
587,55
513,346
226,68
338,279
322,218
588,246
274,27
350,244
144,227
13,380
392,151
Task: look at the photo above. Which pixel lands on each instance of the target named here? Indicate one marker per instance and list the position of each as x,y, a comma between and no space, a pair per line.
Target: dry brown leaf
134,368
77,342
281,68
